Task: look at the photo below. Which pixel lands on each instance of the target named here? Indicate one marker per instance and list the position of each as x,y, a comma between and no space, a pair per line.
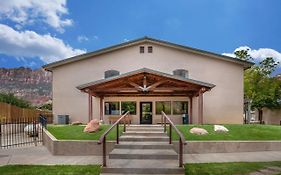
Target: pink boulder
92,126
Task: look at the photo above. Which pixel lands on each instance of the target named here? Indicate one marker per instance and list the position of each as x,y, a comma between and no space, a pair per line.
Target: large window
112,108
128,106
180,107
163,106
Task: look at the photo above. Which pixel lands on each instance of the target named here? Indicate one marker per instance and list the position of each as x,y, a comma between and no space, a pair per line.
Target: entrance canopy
145,82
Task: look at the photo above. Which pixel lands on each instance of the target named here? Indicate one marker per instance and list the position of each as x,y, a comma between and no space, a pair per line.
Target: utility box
63,119
185,119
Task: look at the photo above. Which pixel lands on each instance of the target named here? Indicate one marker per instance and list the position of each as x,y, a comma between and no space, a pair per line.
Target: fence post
34,133
0,132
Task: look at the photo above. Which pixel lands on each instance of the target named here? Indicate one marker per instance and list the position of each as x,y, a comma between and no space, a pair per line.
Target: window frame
135,113
110,113
173,107
168,113
141,49
149,49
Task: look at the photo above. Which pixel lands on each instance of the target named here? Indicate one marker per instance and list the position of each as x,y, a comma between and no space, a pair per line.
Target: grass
190,169
227,168
75,132
50,169
236,132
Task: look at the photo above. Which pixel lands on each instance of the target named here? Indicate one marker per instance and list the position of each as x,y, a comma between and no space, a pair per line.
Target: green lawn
236,132
190,169
74,132
50,170
227,168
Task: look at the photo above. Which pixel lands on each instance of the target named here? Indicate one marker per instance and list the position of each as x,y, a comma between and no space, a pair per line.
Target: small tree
260,89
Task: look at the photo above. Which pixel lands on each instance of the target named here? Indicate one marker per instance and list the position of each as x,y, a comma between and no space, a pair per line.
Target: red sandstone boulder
92,126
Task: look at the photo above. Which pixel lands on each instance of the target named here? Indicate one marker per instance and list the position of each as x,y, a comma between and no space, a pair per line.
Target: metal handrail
102,139
181,139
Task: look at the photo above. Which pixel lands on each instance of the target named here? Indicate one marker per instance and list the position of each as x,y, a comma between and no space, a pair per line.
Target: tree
13,100
46,106
260,89
243,55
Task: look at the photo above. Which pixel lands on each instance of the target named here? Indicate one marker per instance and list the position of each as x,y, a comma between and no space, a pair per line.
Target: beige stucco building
147,76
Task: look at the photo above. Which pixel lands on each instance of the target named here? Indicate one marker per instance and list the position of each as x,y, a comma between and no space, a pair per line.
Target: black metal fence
22,131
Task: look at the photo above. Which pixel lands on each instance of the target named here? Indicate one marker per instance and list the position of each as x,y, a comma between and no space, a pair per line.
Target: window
149,49
163,106
180,107
181,72
141,49
129,106
112,108
111,73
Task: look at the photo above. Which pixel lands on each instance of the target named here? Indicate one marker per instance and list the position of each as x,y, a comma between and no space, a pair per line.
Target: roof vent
111,73
181,73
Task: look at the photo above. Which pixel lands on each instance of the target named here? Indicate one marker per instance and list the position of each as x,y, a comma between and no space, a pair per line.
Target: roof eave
145,70
51,66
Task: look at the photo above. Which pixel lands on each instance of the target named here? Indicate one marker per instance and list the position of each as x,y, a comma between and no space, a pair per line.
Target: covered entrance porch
149,92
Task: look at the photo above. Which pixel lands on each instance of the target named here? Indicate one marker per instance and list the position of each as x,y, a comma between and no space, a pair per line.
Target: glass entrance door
145,112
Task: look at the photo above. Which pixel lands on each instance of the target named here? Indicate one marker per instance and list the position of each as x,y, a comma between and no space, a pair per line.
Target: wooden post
101,108
90,103
200,107
180,153
190,110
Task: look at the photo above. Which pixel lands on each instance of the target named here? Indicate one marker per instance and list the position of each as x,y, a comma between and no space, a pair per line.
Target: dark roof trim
50,66
145,70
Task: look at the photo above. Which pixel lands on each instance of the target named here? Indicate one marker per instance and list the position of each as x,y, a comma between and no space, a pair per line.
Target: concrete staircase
143,149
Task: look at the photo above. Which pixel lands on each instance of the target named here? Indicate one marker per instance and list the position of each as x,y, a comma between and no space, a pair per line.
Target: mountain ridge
33,85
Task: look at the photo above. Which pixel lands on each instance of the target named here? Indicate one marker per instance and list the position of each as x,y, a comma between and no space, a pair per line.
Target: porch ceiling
145,82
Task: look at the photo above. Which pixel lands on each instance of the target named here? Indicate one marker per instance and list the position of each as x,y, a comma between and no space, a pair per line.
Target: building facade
147,76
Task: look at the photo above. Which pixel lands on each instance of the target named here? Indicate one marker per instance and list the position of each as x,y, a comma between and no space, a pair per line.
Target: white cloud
82,38
29,11
31,44
258,54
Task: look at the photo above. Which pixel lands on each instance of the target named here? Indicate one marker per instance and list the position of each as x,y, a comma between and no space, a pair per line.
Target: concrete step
144,129
143,154
145,133
137,138
140,163
145,125
143,171
144,145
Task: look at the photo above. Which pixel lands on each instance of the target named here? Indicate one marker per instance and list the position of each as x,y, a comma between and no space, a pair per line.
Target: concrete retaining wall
196,147
81,147
74,147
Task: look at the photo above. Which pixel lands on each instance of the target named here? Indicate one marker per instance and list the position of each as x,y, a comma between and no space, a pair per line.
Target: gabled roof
135,79
50,66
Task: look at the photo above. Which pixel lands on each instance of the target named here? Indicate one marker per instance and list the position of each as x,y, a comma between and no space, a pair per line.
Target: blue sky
33,33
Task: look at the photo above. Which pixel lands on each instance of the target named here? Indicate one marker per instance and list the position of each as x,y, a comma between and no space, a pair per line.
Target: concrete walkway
41,156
